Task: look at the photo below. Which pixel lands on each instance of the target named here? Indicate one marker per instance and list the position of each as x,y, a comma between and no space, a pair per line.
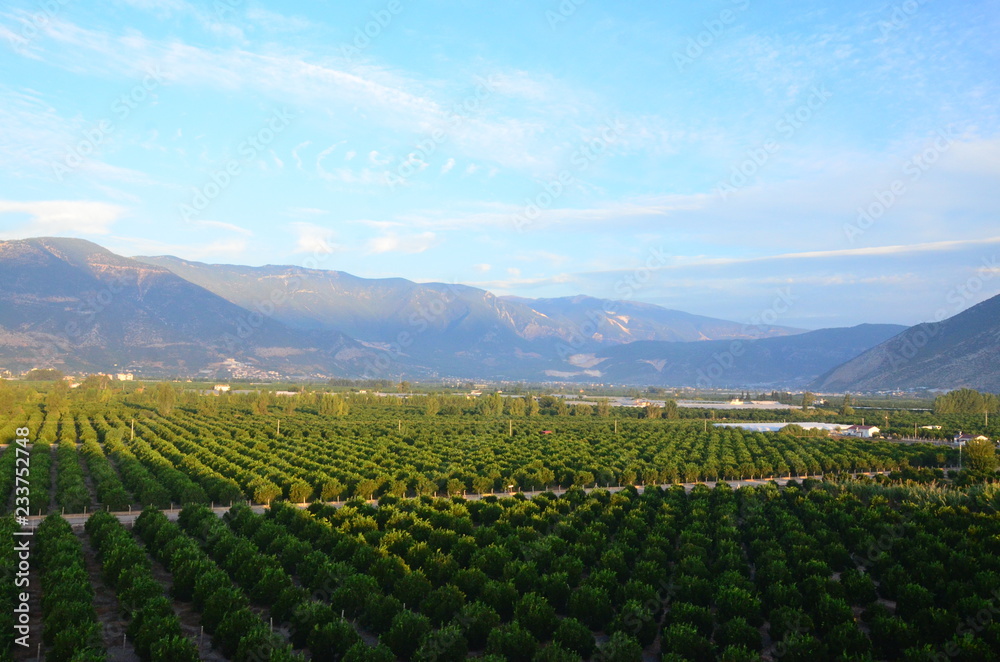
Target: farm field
440,569
814,571
130,454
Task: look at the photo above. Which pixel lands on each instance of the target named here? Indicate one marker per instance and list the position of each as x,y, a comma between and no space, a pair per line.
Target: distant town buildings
238,370
862,431
964,438
124,376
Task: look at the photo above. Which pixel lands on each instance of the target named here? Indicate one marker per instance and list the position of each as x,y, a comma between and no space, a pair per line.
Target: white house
863,431
963,439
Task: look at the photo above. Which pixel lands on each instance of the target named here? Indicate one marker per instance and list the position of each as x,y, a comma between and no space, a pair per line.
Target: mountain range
960,351
72,304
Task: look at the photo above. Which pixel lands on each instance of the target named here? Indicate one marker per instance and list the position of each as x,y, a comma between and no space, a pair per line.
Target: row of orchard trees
70,628
702,572
224,608
815,571
962,409
153,627
379,457
196,457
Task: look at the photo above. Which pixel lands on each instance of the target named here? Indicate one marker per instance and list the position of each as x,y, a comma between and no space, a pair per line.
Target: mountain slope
453,330
70,302
616,322
961,351
447,316
789,361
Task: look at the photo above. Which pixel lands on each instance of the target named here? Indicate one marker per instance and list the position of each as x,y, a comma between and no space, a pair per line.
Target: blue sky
711,157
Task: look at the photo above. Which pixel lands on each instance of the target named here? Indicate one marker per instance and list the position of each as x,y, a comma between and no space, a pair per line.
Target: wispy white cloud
516,283
499,129
365,177
516,217
226,248
325,153
276,22
377,159
59,217
391,242
231,227
314,239
685,262
295,153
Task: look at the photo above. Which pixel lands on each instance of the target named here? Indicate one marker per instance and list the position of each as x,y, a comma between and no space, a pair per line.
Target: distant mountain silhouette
71,304
454,329
788,361
961,351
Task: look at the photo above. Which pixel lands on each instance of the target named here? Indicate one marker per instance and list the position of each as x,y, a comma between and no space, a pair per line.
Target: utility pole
510,432
133,430
278,433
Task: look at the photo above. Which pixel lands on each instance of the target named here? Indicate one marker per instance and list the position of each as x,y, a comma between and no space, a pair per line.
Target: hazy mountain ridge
76,304
618,322
790,361
961,351
70,303
376,310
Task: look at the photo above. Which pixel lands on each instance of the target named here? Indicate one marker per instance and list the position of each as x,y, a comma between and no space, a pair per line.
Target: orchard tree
981,456
846,409
573,635
531,406
299,491
445,645
513,642
966,401
166,398
516,406
536,614
331,489
432,405
408,628
621,647
477,620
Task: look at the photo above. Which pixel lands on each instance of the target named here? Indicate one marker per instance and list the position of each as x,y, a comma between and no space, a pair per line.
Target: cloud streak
61,217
